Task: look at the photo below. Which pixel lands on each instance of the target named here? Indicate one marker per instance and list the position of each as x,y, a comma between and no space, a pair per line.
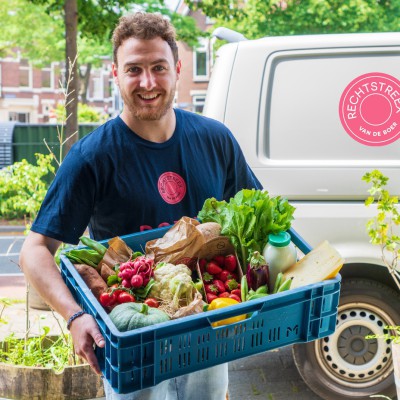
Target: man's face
146,76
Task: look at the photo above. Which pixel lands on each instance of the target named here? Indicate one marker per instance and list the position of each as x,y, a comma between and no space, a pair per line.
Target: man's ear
114,73
178,68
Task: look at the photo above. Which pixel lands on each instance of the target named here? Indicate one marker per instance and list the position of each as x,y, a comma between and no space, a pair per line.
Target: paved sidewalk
13,287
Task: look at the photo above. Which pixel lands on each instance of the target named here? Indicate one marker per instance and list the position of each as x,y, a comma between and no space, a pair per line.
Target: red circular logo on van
172,187
369,109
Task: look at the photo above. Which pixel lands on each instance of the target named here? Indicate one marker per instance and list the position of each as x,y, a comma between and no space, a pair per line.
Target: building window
46,78
98,91
18,117
198,103
201,61
24,74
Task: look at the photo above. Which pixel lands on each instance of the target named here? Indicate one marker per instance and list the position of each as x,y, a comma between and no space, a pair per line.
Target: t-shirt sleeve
239,176
68,205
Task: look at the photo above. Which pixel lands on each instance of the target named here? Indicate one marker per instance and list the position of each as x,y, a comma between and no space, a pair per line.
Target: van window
302,116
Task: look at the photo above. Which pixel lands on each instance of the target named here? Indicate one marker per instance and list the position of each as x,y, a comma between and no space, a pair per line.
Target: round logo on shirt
171,187
369,109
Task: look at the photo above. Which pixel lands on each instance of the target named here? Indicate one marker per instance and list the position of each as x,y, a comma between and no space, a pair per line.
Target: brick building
29,95
196,65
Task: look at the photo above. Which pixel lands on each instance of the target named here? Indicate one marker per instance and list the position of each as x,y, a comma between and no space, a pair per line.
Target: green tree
63,29
258,18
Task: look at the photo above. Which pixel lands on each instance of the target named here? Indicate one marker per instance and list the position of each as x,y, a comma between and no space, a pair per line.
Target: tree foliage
258,18
77,31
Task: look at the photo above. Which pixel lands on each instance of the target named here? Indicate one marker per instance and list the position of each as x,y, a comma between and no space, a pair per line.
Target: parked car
313,114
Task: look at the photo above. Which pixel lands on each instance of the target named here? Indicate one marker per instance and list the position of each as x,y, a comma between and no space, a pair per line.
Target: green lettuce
249,217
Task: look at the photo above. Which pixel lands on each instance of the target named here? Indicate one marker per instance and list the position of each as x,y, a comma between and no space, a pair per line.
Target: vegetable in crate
257,272
248,219
130,316
173,285
222,302
92,279
137,273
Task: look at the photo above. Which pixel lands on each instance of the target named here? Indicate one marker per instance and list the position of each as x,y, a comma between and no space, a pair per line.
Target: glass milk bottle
280,254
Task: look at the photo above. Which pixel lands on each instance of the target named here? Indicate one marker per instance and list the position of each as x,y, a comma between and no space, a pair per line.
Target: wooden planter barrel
34,383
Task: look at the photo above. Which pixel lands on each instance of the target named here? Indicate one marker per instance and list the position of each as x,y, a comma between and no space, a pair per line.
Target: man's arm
41,271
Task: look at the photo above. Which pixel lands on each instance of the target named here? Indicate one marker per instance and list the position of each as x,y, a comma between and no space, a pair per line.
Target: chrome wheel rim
347,356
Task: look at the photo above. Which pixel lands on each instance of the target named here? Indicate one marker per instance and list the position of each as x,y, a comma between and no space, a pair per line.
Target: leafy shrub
38,351
23,187
86,114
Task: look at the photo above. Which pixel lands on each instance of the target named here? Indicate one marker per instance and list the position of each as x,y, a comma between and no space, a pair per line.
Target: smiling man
147,167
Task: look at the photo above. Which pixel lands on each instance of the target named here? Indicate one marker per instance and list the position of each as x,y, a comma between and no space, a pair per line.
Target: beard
149,112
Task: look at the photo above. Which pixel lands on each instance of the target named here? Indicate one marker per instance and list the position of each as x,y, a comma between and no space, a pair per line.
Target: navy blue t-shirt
117,183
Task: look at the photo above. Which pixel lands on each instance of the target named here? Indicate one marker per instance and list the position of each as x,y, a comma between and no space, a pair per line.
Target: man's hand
85,332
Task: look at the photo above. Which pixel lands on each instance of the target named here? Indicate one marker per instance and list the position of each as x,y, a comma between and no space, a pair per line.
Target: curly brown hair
147,26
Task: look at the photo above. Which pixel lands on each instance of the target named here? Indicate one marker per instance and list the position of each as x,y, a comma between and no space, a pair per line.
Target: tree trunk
71,72
84,83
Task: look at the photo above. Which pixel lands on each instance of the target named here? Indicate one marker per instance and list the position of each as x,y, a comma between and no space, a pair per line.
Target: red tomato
115,290
107,299
151,302
126,297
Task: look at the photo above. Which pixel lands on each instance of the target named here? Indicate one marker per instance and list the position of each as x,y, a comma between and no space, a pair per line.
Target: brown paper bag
179,245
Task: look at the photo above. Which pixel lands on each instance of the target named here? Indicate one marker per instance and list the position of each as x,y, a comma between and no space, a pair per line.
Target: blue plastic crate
144,357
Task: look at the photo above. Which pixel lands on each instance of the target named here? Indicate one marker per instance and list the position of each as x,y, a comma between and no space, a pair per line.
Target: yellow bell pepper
221,302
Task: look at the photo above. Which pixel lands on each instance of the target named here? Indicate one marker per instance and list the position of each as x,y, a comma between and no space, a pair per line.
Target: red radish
230,263
210,297
126,283
137,281
213,268
233,296
127,273
219,285
220,260
128,264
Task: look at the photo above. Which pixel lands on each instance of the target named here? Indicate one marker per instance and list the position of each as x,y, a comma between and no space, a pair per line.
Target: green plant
46,351
5,302
383,228
383,232
23,187
86,114
22,190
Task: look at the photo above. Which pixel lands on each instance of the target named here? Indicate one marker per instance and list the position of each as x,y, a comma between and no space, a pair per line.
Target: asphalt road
10,246
270,376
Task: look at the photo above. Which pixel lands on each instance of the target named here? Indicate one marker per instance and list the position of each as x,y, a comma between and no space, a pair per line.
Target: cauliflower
173,284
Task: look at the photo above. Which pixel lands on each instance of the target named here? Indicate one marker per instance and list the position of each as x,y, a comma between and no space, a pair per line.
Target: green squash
128,316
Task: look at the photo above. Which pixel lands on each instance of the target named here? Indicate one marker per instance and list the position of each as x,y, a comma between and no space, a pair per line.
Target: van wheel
346,365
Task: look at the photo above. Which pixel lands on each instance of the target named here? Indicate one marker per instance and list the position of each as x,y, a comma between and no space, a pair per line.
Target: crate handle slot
250,312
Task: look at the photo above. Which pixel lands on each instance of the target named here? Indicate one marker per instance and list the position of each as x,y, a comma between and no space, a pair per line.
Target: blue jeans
207,384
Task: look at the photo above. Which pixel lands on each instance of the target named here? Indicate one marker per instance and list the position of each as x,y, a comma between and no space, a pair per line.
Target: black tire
345,365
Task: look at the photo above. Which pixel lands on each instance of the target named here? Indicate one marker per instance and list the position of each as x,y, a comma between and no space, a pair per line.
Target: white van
313,114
